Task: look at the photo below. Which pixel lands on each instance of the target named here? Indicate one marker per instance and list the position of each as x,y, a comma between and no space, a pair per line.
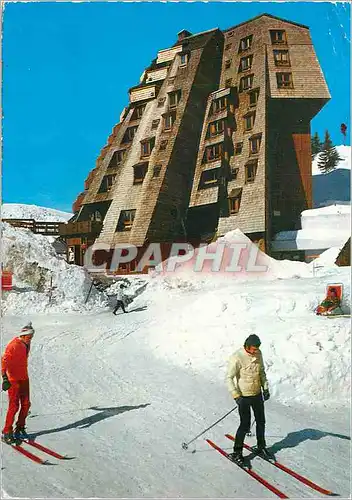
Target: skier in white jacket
246,379
121,300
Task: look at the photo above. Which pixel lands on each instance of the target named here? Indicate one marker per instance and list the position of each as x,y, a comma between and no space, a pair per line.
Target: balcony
79,228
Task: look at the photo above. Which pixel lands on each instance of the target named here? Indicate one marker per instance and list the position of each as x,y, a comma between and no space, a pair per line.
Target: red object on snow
6,280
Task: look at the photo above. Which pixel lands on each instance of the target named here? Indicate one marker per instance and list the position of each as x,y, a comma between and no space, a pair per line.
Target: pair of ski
18,446
275,463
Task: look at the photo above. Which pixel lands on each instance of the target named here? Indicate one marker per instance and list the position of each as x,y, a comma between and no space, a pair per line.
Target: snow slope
40,214
345,163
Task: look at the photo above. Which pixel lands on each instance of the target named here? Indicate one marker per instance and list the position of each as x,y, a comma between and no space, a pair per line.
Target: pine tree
329,157
316,145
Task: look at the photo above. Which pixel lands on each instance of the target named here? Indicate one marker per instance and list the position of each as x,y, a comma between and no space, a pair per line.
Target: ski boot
20,434
8,438
265,453
238,458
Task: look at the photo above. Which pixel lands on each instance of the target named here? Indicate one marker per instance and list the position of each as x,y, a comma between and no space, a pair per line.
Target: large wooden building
216,136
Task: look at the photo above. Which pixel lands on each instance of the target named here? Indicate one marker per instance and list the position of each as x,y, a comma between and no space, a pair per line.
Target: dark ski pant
119,304
244,410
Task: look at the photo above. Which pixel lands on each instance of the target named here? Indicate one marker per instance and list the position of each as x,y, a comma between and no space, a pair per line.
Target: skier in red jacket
14,369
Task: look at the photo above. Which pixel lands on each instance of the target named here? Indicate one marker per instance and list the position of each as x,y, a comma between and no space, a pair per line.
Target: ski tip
332,494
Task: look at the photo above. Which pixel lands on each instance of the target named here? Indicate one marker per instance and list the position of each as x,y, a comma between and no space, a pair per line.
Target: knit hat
28,329
252,340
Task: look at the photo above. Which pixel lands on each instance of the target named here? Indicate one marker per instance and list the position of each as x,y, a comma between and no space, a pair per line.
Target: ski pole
185,445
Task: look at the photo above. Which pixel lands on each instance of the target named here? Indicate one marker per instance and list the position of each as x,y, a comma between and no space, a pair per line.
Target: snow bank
344,153
35,263
41,214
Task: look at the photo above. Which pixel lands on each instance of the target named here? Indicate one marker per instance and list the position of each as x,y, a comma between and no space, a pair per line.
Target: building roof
266,15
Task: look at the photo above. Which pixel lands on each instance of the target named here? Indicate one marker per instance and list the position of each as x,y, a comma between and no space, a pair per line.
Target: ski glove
266,394
5,383
238,400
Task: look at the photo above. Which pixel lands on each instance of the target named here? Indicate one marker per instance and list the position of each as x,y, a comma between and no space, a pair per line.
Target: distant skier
14,369
329,304
121,300
246,379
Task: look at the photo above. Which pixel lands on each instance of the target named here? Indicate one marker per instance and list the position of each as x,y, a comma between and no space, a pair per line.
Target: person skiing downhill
15,380
246,379
121,300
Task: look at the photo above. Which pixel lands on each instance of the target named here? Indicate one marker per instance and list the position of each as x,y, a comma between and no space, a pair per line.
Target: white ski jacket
246,374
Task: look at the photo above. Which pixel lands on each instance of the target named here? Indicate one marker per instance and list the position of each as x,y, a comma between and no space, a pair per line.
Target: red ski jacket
14,361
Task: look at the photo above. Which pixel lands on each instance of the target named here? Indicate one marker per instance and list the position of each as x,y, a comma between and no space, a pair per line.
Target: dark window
169,120
230,33
228,46
250,171
253,97
284,80
245,63
245,43
246,82
227,64
249,120
254,144
281,58
129,134
233,173
219,104
139,173
228,82
174,98
163,145
155,124
234,203
161,102
126,220
278,36
147,147
138,112
216,128
183,59
213,152
238,148
156,170
171,80
107,183
117,158
96,216
209,178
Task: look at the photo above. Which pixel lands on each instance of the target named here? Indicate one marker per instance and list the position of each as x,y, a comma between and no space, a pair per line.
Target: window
238,148
171,80
96,216
233,173
235,201
228,82
138,112
228,46
281,58
278,36
245,43
230,33
129,134
139,173
219,104
183,59
155,124
163,145
169,120
284,80
107,183
147,146
209,178
126,220
156,171
249,120
117,158
254,144
213,152
174,99
250,171
246,82
245,63
253,97
161,102
227,64
216,128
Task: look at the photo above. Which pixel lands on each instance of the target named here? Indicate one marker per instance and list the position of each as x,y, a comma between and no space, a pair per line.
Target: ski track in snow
92,375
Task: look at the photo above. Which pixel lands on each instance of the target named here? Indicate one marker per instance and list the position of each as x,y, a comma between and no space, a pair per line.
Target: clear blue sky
68,67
